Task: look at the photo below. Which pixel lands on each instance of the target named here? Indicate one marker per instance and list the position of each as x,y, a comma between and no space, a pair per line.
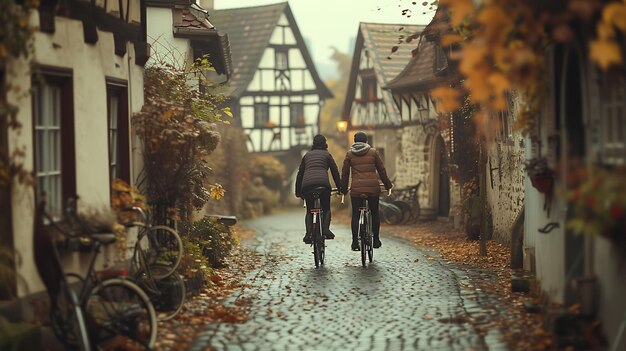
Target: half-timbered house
422,153
84,76
180,32
276,92
381,52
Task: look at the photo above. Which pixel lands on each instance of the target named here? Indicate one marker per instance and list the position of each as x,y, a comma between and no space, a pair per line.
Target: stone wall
414,163
505,185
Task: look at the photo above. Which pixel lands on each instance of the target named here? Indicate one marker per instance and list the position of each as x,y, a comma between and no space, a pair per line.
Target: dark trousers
324,199
373,204
324,204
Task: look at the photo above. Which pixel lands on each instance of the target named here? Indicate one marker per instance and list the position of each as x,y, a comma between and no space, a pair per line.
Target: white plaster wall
165,47
90,65
610,269
549,248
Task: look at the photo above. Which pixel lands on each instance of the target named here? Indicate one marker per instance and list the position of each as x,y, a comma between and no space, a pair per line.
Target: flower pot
543,182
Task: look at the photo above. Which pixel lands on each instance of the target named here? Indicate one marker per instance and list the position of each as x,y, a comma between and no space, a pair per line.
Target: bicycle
100,309
317,216
365,234
156,256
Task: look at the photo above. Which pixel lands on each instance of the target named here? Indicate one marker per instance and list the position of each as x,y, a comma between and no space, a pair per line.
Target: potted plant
541,176
598,207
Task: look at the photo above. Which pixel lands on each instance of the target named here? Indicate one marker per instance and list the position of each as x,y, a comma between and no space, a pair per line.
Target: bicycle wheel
120,315
316,240
363,239
63,319
321,244
370,236
405,209
166,294
160,245
391,213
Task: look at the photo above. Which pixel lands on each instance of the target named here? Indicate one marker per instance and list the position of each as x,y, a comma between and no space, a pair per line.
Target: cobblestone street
407,299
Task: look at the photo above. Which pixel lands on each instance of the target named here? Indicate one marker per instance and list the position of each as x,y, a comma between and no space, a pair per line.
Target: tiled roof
249,30
419,70
379,39
194,17
388,48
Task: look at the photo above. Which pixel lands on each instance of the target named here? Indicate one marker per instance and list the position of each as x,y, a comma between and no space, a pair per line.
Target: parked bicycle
317,235
156,256
98,310
403,208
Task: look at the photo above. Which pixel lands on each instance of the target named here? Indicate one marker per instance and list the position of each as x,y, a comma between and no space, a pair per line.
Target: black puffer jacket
313,170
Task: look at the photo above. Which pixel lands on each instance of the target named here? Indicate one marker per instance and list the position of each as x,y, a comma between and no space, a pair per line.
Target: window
54,141
296,114
282,60
369,89
261,114
117,118
614,126
504,119
440,61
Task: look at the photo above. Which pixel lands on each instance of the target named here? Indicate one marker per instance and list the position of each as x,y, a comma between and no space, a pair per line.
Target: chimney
206,4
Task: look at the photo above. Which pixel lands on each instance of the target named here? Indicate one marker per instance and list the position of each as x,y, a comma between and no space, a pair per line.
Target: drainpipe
131,168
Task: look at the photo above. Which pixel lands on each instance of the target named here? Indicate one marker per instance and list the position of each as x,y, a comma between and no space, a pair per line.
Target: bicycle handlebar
140,210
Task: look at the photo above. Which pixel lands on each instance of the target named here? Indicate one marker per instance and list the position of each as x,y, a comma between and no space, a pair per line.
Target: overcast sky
328,23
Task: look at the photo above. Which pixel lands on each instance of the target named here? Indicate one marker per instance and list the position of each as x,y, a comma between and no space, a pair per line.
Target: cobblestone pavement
407,299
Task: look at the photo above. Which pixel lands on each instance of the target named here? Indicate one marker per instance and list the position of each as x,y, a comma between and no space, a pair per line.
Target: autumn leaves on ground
210,305
520,329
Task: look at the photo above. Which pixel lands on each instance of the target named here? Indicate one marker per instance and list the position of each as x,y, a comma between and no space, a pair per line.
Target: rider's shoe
377,244
326,226
307,239
329,235
355,245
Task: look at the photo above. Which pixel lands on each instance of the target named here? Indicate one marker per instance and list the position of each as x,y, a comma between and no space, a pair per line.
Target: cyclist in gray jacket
313,173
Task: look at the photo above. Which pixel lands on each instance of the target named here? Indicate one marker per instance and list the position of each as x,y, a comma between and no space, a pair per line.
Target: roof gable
418,71
249,31
379,39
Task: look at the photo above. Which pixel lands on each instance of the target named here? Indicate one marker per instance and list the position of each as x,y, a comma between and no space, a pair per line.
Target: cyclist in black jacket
313,173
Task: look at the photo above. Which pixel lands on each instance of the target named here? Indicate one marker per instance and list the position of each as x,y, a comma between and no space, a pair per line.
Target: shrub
269,169
215,240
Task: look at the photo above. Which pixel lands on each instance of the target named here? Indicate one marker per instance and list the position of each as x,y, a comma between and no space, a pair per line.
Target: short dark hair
360,137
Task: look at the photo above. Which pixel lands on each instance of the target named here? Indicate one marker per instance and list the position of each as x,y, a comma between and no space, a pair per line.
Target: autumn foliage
177,133
499,47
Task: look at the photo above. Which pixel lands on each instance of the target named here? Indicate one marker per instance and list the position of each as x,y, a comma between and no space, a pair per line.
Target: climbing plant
15,43
176,126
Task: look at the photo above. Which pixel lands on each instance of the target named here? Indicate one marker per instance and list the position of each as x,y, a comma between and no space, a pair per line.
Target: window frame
118,89
368,85
613,143
281,52
261,114
61,79
298,120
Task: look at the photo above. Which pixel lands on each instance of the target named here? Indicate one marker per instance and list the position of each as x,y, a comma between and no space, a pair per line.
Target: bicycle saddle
104,238
319,189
